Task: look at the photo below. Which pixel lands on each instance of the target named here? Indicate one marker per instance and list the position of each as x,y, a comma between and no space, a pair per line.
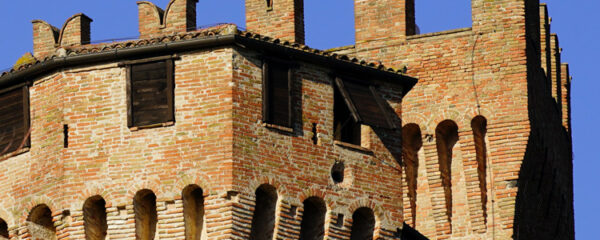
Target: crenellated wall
494,69
484,151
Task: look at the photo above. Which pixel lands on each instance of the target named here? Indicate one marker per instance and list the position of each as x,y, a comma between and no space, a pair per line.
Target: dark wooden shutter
14,119
365,103
277,100
151,89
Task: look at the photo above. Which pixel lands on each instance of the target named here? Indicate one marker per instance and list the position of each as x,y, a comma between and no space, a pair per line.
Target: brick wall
106,158
490,70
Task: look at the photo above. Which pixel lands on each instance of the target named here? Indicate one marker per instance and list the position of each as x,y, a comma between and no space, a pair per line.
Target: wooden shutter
365,103
14,119
277,97
151,93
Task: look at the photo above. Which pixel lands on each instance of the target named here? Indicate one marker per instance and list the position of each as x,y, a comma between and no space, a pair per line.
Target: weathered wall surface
492,70
104,157
298,168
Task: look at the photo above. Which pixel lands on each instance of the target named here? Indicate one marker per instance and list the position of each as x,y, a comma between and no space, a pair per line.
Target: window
363,224
150,89
312,226
144,207
14,119
94,218
411,144
277,95
446,135
40,224
193,212
355,104
479,126
263,221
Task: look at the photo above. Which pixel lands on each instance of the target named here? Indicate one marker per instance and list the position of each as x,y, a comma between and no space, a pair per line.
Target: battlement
219,133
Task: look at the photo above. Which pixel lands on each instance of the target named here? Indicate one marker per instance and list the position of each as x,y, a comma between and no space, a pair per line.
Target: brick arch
382,220
378,211
90,191
313,191
6,216
34,202
186,180
282,191
416,118
155,185
462,120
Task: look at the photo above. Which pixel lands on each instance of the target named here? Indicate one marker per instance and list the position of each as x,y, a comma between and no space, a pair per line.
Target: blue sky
329,23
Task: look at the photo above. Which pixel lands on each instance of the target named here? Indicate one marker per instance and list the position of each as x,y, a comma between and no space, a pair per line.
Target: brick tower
219,133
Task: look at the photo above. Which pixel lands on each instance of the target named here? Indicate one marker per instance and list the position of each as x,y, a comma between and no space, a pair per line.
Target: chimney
283,19
45,37
76,31
377,20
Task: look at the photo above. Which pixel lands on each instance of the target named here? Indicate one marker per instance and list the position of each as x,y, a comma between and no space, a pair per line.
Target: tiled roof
220,30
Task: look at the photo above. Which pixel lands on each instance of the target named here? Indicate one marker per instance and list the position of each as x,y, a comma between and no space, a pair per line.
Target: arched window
94,218
3,229
446,135
363,224
313,219
40,224
411,144
193,212
479,126
144,207
263,221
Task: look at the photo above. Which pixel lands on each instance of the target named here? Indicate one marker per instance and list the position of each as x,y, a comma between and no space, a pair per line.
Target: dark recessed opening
337,172
66,136
315,140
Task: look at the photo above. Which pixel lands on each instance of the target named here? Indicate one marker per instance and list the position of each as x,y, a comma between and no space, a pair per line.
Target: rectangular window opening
14,120
355,104
150,88
277,95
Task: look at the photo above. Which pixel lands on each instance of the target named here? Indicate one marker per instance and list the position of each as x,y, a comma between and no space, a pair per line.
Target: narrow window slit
315,139
66,136
446,135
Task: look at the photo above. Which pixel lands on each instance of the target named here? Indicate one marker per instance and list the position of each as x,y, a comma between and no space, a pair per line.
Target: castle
223,133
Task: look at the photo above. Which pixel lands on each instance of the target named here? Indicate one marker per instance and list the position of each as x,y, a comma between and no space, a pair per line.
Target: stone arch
193,212
264,217
446,136
146,217
412,142
479,127
363,224
40,223
312,226
3,229
94,218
